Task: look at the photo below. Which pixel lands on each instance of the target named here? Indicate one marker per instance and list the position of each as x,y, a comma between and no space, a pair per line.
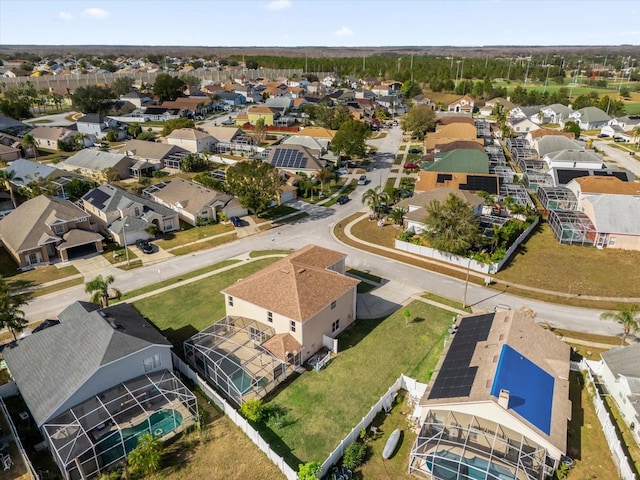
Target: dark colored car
144,246
236,221
342,200
415,150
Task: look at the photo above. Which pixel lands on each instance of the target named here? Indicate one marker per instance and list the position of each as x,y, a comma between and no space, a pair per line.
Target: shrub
354,455
252,410
308,471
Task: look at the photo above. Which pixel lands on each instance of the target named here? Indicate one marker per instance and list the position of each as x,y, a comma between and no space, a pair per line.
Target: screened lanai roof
516,191
100,431
557,198
572,227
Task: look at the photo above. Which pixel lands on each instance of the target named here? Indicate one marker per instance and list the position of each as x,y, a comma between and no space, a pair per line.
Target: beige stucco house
192,140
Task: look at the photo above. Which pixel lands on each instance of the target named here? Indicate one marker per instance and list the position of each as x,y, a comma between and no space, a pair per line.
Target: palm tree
30,143
7,176
374,198
397,215
99,290
11,315
636,134
628,317
324,175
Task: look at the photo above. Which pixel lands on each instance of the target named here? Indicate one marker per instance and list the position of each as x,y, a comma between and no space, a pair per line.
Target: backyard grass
322,407
375,467
628,443
586,443
222,452
544,263
188,309
189,234
196,247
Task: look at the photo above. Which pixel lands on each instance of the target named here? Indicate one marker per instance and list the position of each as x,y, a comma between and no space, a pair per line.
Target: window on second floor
58,229
292,326
270,317
230,301
333,305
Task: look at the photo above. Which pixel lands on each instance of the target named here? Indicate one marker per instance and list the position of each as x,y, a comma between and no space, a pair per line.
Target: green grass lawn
37,276
189,234
213,242
276,212
262,253
186,310
322,407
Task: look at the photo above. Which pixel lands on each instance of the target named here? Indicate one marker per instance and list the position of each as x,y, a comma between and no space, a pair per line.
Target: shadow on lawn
574,439
177,337
358,331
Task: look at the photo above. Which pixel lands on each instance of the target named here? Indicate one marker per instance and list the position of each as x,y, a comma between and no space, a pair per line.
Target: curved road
403,280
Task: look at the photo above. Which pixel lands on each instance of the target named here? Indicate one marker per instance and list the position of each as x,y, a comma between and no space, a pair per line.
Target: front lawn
188,234
37,276
186,310
277,212
322,407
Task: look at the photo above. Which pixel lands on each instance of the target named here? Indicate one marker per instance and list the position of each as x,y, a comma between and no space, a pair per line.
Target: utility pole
412,67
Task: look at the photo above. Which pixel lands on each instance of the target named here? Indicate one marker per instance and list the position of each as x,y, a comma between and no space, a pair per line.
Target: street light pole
124,235
466,285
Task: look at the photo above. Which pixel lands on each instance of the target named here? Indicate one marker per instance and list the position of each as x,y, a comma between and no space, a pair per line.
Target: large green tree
6,177
419,120
176,123
92,99
255,183
168,87
122,85
375,198
451,226
628,317
11,315
146,458
30,144
350,139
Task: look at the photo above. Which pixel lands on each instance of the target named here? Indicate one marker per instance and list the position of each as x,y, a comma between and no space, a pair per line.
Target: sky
292,23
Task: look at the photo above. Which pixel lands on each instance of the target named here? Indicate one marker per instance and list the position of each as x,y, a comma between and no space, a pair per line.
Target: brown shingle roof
188,134
595,184
449,120
548,131
281,344
298,286
459,144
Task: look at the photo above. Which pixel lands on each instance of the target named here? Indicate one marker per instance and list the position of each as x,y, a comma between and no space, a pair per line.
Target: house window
230,301
292,326
58,229
612,241
335,326
151,362
33,258
333,305
168,225
136,212
270,317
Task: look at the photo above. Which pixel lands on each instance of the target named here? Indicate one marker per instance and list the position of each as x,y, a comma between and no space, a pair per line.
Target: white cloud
96,13
344,32
65,16
278,4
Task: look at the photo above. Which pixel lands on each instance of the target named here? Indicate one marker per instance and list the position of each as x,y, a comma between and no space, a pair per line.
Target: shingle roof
26,227
50,133
440,195
91,118
561,109
95,160
27,170
467,161
597,184
54,363
581,156
222,134
543,132
623,360
281,344
149,150
298,286
107,198
555,143
191,196
188,134
593,114
615,214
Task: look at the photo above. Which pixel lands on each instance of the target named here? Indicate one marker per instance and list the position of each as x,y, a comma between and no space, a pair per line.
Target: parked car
236,221
342,200
411,166
619,140
343,171
144,246
228,122
632,153
362,180
415,150
603,135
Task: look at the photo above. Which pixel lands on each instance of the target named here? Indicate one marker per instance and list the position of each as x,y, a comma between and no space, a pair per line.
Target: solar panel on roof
443,177
566,175
477,182
456,377
289,158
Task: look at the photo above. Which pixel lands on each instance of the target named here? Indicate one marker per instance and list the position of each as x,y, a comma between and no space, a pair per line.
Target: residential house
99,165
523,126
92,378
579,159
534,135
193,202
46,228
160,114
317,146
520,113
489,105
627,123
555,113
25,171
450,133
613,229
153,153
318,132
471,182
466,104
294,159
126,217
620,376
589,118
502,392
460,160
249,93
9,153
190,106
268,114
280,103
195,141
393,104
417,205
423,100
137,99
616,131
48,137
458,145
11,126
230,98
98,126
554,143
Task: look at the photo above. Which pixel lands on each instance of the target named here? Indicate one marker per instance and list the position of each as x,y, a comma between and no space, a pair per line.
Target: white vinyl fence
488,268
415,389
608,427
235,417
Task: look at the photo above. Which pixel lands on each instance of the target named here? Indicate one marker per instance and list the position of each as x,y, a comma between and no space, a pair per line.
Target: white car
343,171
362,180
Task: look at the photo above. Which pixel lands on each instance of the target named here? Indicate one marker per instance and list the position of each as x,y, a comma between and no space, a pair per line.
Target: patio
99,433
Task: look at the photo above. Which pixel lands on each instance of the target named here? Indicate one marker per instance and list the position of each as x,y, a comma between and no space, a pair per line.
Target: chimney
503,399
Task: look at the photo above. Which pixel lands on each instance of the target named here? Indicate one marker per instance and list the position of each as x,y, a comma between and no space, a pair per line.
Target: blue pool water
162,423
446,465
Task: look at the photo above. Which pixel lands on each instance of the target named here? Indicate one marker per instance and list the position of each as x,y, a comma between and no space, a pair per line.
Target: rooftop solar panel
456,376
289,158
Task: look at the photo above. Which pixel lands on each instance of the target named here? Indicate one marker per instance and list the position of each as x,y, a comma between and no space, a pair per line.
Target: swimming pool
449,466
159,423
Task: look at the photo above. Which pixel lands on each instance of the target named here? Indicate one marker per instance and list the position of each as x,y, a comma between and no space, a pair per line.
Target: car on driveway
144,246
228,122
342,199
411,166
415,150
343,171
362,180
236,221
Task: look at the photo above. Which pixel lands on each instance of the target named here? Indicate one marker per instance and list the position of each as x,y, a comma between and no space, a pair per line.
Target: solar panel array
480,182
288,158
456,376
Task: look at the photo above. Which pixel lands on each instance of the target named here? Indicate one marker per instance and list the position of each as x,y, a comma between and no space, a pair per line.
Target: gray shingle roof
108,198
593,114
615,213
95,160
28,171
54,363
623,360
149,150
555,143
581,156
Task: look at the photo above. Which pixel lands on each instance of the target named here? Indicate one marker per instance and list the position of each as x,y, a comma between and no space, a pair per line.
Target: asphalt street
405,280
